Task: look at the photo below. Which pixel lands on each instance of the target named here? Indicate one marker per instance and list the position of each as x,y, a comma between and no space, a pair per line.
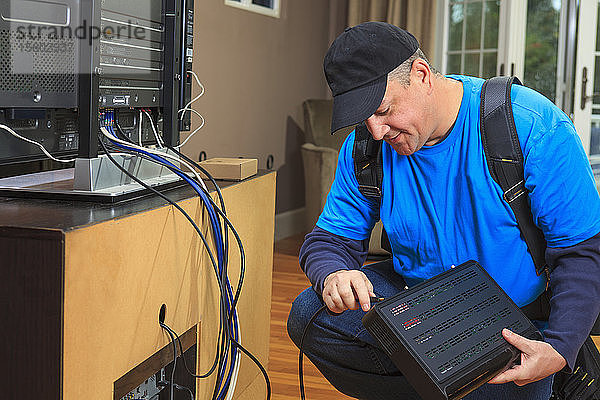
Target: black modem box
444,334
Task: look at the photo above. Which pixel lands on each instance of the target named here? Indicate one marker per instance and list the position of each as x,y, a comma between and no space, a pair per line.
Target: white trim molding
289,223
273,11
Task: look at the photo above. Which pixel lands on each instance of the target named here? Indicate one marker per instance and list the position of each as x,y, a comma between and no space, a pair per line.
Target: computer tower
65,62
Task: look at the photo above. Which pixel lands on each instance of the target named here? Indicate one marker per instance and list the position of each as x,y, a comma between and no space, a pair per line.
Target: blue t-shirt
440,206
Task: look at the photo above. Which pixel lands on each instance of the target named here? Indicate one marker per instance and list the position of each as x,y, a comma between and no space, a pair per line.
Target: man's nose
378,130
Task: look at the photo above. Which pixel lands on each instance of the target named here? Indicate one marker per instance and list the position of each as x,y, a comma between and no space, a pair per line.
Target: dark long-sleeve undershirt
575,301
323,253
574,282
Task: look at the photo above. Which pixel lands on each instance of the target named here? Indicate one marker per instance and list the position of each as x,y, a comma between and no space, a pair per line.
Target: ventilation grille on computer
476,349
454,311
474,329
433,292
440,328
112,50
40,63
387,339
454,301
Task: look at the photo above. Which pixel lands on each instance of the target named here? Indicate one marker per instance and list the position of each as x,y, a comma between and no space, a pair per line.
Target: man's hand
342,289
538,360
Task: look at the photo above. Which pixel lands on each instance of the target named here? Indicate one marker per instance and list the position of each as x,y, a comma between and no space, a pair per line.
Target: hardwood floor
288,282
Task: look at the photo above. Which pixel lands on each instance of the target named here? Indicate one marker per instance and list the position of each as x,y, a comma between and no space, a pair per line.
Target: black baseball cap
356,67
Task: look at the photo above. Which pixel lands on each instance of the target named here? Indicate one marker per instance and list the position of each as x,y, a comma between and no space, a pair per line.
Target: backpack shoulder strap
368,168
505,161
368,165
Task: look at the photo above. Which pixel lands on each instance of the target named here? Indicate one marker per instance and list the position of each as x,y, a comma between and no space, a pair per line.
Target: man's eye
383,112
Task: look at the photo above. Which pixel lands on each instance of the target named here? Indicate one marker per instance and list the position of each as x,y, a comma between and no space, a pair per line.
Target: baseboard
290,223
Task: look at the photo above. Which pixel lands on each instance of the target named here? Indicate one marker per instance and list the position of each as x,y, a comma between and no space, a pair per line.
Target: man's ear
421,72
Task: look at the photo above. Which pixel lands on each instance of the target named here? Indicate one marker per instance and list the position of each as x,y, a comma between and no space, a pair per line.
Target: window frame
511,36
247,5
511,52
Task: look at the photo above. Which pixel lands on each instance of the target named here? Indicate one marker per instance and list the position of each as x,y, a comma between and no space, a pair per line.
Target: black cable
237,237
211,256
221,284
180,349
212,180
124,136
172,382
204,171
224,216
174,360
181,352
238,291
227,224
221,349
238,345
223,213
301,354
177,206
179,387
229,319
258,364
223,344
226,251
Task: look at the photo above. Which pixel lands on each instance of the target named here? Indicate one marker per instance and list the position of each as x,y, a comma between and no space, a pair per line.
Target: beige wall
257,70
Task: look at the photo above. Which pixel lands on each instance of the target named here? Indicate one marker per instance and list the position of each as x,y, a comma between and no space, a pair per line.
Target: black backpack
505,163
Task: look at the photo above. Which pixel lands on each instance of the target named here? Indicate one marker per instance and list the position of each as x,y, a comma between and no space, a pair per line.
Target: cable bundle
227,358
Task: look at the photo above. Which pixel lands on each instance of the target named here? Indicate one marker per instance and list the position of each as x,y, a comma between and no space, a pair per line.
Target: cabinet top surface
68,215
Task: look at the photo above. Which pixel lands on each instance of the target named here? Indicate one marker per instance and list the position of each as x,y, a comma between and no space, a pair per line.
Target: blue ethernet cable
232,314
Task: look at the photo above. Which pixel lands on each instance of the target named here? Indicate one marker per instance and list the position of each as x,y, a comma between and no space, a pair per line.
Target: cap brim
356,105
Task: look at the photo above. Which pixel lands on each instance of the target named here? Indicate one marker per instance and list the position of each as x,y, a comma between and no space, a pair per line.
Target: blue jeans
355,364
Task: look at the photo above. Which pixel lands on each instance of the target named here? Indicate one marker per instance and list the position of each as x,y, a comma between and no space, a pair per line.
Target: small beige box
231,169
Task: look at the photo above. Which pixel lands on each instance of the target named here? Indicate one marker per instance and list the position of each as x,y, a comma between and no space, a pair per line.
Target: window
541,46
473,38
552,46
266,7
492,37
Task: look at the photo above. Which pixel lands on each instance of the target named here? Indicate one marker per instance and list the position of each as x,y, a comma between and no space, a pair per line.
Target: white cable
187,106
238,360
50,156
194,132
149,150
140,129
155,152
156,135
161,144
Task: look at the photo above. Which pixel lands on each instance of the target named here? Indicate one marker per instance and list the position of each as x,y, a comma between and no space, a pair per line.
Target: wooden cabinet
82,285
